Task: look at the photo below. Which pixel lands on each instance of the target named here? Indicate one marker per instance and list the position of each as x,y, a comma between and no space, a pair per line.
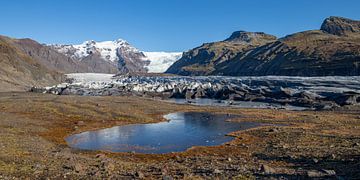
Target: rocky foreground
314,92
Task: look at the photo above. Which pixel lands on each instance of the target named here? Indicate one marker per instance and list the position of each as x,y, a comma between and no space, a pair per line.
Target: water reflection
182,131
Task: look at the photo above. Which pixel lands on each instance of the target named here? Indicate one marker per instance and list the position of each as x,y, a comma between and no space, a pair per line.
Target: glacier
108,50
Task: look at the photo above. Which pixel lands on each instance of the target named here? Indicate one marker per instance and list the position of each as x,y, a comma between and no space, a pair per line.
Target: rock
236,97
266,169
140,175
37,89
286,92
340,26
80,123
329,172
179,159
200,93
273,130
314,174
190,94
108,165
79,168
217,171
67,166
100,156
177,93
315,160
333,156
167,178
347,99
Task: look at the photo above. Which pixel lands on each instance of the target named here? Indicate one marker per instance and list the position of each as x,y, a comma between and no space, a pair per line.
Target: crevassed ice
161,61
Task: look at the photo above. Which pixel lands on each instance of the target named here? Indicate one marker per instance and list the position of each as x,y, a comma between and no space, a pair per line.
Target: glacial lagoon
181,131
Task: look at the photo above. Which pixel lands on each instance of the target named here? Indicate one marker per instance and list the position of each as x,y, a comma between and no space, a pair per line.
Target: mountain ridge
334,49
19,71
118,55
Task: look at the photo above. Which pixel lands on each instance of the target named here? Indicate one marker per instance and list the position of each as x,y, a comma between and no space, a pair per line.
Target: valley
251,106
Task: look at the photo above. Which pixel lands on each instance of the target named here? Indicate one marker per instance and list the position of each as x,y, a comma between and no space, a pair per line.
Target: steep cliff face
19,71
131,60
333,50
250,38
340,26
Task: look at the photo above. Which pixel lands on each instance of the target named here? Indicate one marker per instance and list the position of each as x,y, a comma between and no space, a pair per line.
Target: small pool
180,132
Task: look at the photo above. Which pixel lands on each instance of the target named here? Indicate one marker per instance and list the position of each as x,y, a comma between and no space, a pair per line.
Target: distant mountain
116,57
20,71
332,50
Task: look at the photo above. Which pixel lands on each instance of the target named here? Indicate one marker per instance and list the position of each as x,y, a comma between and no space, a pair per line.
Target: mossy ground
33,128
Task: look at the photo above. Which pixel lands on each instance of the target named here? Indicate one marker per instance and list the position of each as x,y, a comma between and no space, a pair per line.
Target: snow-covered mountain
120,54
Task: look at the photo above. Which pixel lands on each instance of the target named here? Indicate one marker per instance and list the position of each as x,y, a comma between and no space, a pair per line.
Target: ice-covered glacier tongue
161,61
275,91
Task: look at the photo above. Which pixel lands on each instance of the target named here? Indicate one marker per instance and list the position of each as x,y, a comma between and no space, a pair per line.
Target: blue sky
163,25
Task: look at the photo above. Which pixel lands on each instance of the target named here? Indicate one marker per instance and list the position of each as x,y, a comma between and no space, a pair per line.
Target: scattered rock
329,172
266,169
314,174
167,178
273,130
140,175
315,160
100,156
108,165
217,171
79,168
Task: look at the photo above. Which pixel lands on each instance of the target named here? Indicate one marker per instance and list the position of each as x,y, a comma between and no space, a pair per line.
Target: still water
180,132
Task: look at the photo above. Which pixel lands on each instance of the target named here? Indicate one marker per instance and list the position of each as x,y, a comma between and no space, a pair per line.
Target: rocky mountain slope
26,63
205,59
332,50
19,71
49,58
116,57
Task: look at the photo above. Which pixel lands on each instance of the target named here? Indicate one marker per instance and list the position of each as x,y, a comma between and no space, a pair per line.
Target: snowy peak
120,53
106,49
